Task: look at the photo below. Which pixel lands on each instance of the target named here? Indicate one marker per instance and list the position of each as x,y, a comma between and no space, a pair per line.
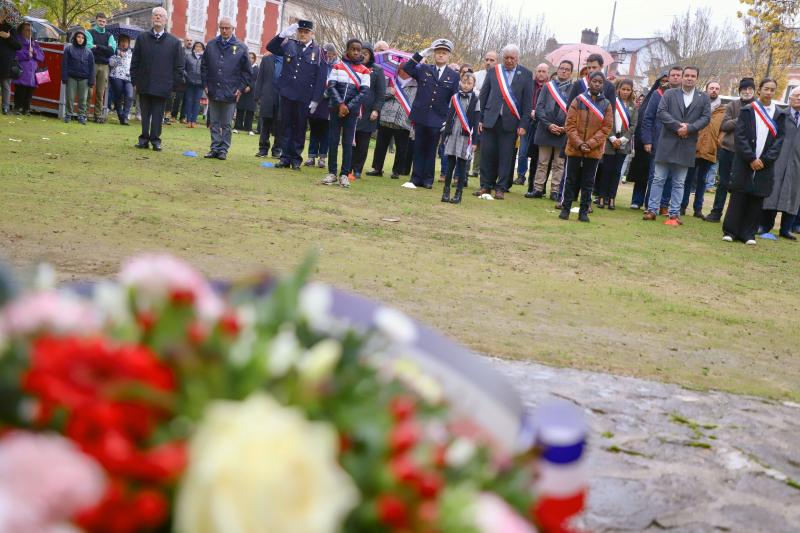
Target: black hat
305,25
747,82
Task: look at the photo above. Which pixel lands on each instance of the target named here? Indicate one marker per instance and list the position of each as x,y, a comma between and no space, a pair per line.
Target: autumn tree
772,30
67,13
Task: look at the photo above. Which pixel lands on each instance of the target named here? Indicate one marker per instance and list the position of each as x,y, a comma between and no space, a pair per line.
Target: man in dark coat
266,96
683,113
9,44
436,84
506,104
157,65
594,63
301,80
226,72
372,105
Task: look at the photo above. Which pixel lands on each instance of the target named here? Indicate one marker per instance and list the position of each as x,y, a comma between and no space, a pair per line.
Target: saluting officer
302,77
437,83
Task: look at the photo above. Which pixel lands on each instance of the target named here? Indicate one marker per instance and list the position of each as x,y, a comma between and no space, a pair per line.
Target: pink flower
49,311
157,277
44,482
493,515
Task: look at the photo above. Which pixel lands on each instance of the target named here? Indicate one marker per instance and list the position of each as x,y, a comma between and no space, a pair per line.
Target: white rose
460,452
283,352
257,466
315,303
395,325
320,361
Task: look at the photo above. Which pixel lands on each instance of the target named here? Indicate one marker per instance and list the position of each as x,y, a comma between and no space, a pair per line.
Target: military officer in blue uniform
437,83
302,78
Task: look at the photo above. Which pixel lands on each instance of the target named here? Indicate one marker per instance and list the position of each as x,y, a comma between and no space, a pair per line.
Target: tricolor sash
761,113
624,116
505,91
660,91
591,106
585,83
556,94
353,76
461,113
400,96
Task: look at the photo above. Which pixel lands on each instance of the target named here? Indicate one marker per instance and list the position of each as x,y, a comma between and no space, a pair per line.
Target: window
197,13
255,23
228,8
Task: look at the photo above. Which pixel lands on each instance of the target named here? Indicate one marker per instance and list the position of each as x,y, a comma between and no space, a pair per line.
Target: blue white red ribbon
505,91
353,76
585,83
552,87
400,96
462,117
591,106
622,113
761,113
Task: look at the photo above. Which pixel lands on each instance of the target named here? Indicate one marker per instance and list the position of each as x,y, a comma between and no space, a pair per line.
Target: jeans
610,176
221,114
696,179
191,102
711,176
123,97
6,91
344,128
79,88
443,161
318,138
522,157
667,191
663,172
725,158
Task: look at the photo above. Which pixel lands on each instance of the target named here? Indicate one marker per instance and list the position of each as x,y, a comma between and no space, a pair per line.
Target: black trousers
609,176
152,108
244,120
294,115
725,159
385,136
178,106
265,125
426,140
742,216
360,151
579,179
767,221
497,158
22,97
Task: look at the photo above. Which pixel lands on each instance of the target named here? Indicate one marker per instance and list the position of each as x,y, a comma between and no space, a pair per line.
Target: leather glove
312,107
289,30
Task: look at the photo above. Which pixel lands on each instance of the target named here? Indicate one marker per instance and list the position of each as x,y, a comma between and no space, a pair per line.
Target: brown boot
649,215
664,211
481,192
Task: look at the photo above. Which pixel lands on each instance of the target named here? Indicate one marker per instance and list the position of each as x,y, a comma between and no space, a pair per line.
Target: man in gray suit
683,112
506,105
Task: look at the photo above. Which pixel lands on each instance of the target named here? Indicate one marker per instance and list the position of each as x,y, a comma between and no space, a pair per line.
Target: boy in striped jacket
347,85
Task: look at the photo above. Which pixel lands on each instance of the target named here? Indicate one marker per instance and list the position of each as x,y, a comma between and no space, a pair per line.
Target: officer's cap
305,25
442,44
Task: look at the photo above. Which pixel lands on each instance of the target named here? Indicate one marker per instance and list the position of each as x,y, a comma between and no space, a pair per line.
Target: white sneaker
344,181
634,206
751,242
728,238
234,131
330,179
252,133
409,185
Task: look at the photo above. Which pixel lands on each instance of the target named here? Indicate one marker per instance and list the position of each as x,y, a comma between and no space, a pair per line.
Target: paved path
666,458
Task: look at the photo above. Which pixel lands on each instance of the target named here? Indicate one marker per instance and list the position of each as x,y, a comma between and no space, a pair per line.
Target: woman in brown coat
589,122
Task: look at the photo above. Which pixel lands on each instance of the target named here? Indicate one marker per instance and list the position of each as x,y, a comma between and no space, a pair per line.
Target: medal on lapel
234,49
288,59
312,56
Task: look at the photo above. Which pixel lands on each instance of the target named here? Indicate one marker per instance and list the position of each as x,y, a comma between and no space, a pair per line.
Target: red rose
123,510
403,437
404,470
429,485
392,510
402,407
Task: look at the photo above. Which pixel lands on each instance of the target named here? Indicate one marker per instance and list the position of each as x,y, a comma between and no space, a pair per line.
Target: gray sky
635,18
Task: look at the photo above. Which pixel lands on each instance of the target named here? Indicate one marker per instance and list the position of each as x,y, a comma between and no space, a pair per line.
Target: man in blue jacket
302,77
226,72
651,129
437,83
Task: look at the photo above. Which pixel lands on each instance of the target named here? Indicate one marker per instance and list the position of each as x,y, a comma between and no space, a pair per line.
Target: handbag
15,70
42,76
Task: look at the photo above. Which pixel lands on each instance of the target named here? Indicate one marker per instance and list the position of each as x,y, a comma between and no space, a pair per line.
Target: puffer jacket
583,126
392,113
120,64
341,89
193,73
708,138
77,62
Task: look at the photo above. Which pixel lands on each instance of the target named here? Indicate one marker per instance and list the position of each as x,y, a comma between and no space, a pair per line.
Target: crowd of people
575,134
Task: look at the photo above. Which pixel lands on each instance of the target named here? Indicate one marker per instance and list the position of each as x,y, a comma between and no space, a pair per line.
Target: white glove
426,52
289,30
312,107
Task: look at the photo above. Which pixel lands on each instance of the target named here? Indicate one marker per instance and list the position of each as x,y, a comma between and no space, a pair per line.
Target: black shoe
520,181
395,176
457,196
156,147
277,154
283,164
374,173
428,186
583,216
564,214
537,194
683,211
698,213
787,235
211,155
446,192
262,153
222,156
554,196
143,145
296,166
530,194
713,216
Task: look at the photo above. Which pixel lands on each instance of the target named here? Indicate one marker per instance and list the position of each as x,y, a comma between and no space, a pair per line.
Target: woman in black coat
266,97
370,109
9,44
246,106
758,138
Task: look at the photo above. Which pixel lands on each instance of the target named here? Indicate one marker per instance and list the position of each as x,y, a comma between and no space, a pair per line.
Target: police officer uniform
302,77
429,111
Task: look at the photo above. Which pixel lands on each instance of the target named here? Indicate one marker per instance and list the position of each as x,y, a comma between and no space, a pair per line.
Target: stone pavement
666,458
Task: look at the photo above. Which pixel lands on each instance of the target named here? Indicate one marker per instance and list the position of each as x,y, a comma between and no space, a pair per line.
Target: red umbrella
577,53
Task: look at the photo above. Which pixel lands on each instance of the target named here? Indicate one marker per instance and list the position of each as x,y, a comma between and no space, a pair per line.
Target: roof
632,44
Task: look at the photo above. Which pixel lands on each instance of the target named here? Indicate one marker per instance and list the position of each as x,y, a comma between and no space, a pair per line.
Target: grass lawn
506,278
